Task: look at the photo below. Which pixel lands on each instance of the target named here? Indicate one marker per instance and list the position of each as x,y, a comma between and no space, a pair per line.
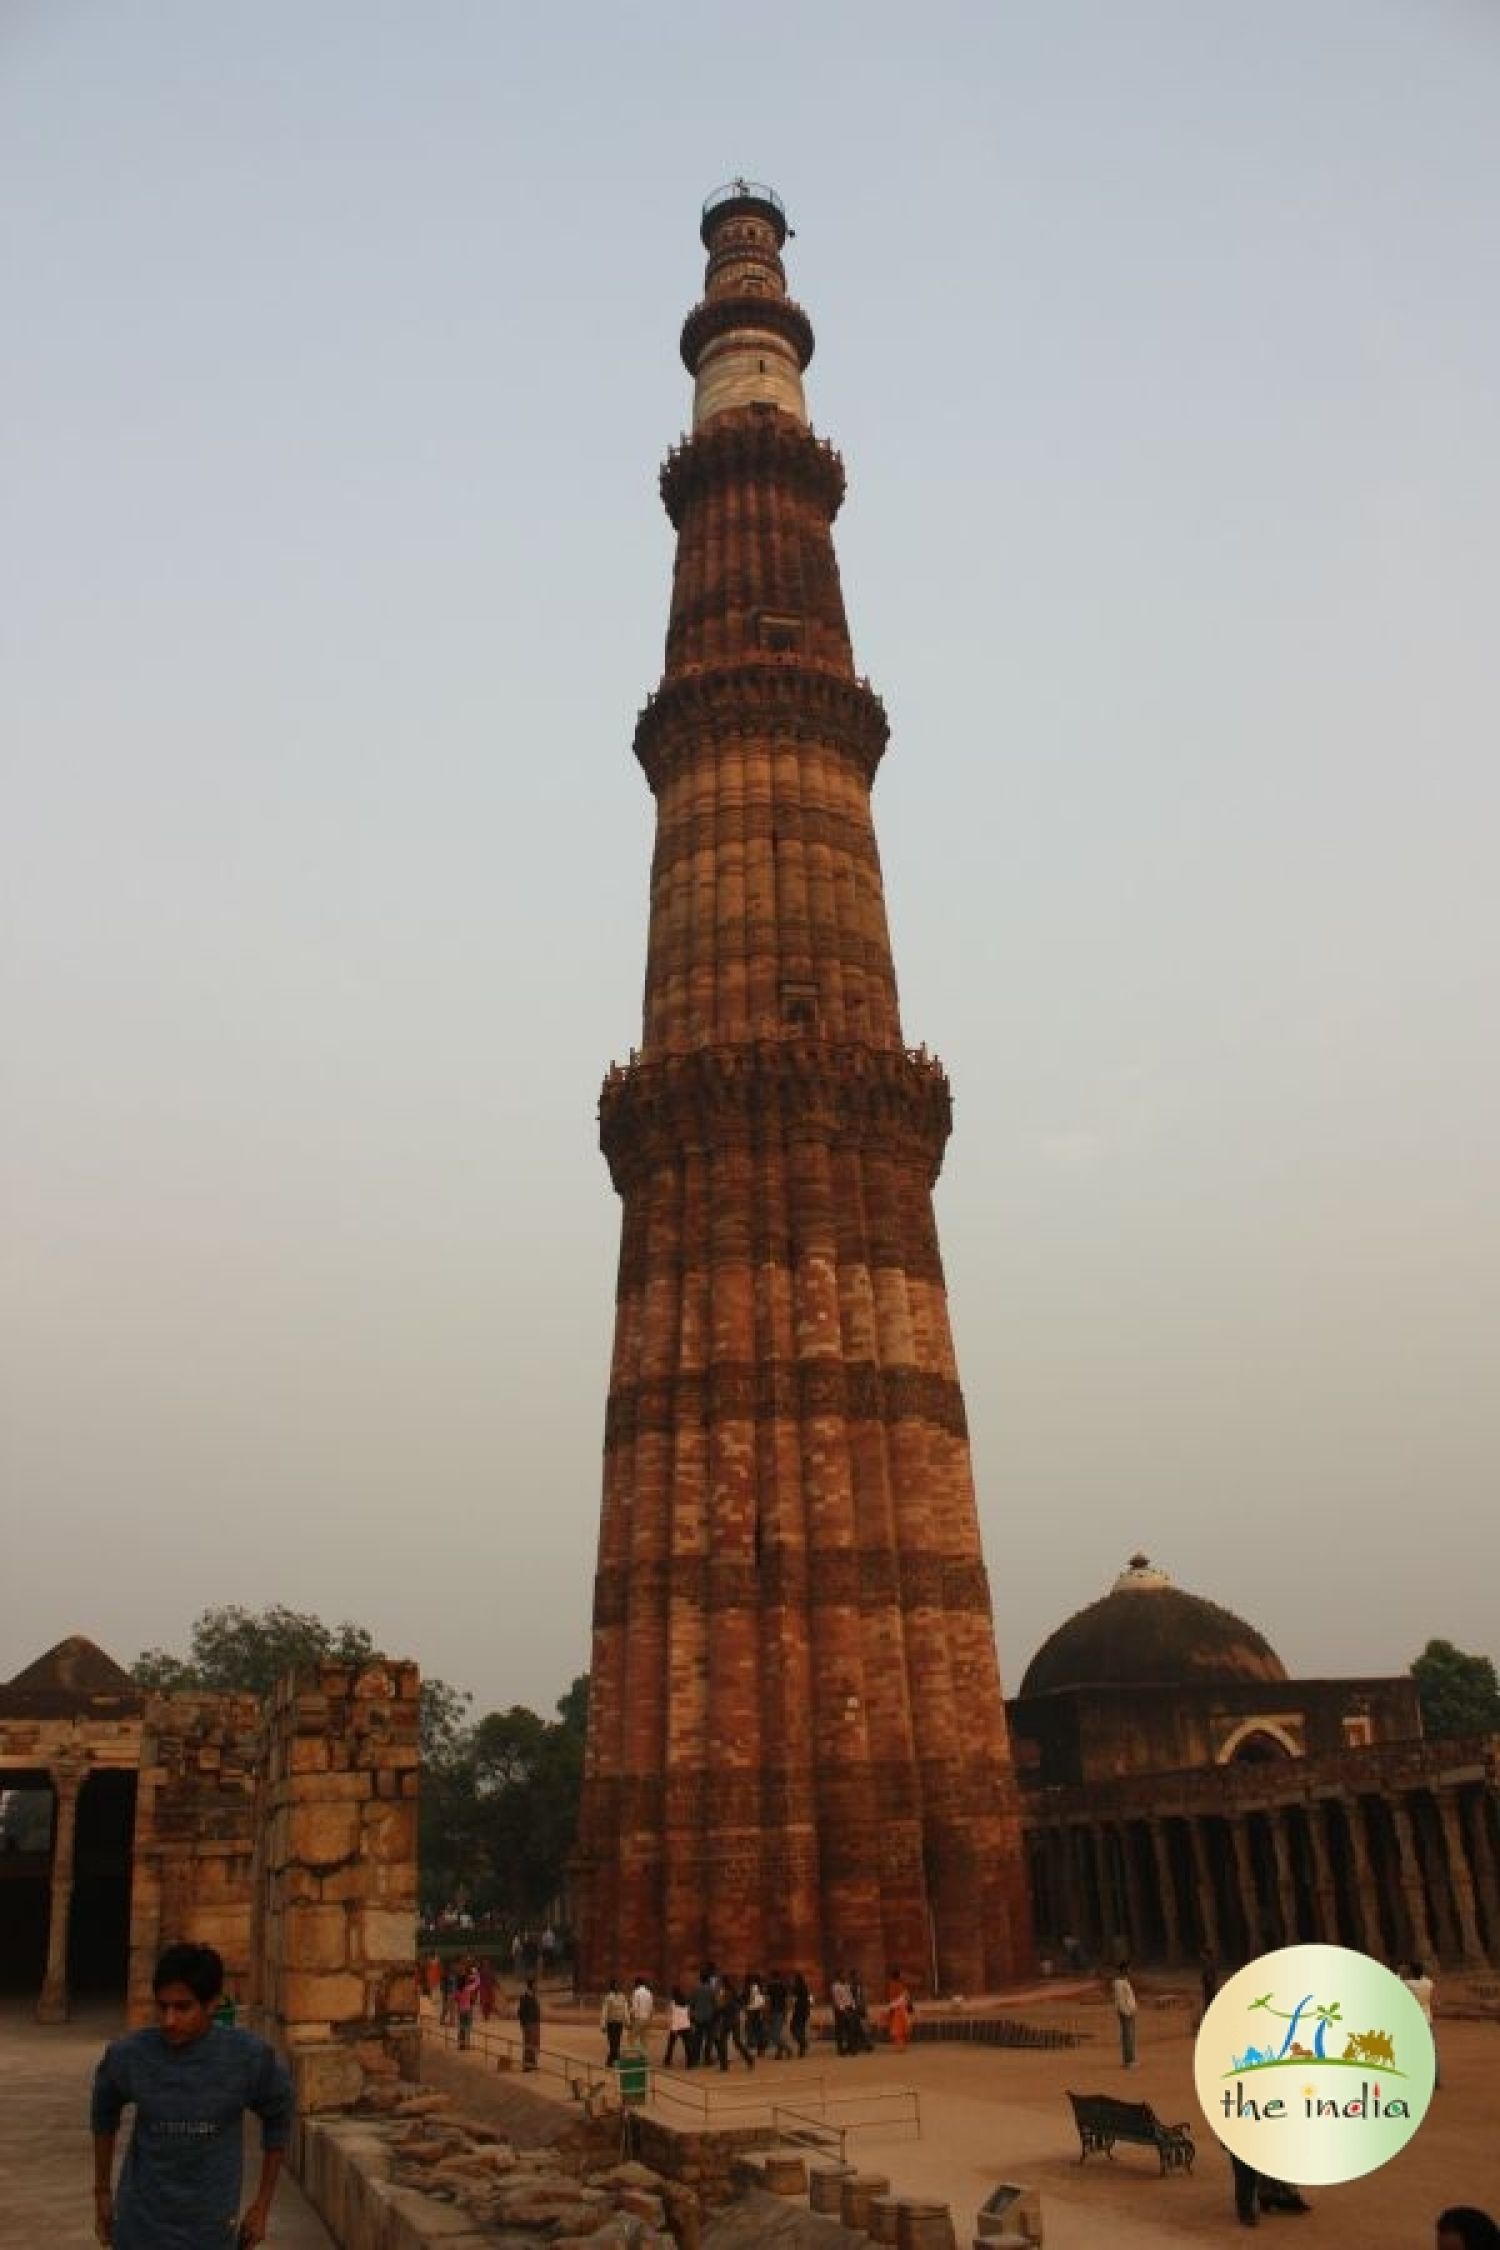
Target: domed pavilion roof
70,1677
1147,1632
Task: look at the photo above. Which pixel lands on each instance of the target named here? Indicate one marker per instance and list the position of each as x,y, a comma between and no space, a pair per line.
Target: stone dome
1147,1632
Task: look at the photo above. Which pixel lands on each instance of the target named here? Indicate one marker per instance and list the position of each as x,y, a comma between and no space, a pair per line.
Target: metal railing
817,2114
582,2076
738,191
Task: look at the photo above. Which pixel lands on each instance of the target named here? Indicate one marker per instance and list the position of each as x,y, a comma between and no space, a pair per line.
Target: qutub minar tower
797,1753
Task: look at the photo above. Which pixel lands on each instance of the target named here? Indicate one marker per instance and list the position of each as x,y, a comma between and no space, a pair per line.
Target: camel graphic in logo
1313,2020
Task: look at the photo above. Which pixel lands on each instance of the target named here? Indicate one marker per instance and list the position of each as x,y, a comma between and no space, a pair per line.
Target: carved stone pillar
1411,1884
1244,1868
1166,1891
1208,1905
52,2004
1286,1887
1323,1883
1459,1879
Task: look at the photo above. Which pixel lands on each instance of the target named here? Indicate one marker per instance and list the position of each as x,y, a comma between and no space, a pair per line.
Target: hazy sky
1163,346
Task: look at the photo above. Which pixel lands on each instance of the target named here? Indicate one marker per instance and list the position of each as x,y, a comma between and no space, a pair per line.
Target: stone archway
1257,1742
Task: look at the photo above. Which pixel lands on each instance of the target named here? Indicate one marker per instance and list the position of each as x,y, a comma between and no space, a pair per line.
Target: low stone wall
703,2161
427,2175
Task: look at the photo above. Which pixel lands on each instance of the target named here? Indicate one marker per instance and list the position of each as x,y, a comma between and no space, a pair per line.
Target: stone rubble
524,2197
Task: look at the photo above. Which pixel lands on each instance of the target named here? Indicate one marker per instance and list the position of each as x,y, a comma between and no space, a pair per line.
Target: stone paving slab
45,2152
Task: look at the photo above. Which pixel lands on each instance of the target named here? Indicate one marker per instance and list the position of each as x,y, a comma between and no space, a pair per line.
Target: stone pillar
1286,1887
52,2005
1323,1883
338,1877
1166,1891
1460,1881
1484,1872
1104,1880
1208,1905
1138,1929
1411,1883
1366,1891
1244,1869
1064,1886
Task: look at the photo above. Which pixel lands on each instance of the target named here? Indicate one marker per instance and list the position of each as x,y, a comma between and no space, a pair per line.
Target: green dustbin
635,2078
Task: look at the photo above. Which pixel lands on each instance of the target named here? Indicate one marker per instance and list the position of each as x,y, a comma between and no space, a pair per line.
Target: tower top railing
741,191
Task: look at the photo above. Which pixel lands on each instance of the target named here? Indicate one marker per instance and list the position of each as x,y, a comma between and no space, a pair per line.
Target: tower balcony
737,198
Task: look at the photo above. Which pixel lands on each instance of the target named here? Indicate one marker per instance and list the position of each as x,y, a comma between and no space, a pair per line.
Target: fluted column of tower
797,1752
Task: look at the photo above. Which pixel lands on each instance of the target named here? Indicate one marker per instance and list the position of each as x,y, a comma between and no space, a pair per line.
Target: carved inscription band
795,1577
784,1390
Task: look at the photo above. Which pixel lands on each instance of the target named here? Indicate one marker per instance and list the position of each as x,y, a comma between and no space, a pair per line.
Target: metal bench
1101,2121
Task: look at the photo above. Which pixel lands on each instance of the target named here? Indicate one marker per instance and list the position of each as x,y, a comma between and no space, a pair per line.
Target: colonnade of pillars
1404,1877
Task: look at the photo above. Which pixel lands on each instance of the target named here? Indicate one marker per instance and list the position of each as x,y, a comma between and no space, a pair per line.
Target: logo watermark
1314,2065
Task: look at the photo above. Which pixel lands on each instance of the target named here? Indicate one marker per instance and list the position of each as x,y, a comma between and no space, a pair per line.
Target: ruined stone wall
336,1877
195,1824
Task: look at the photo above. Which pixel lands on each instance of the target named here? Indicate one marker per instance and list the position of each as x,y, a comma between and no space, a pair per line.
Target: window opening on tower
780,632
799,1006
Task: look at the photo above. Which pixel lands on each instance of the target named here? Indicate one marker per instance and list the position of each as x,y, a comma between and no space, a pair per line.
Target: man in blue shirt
191,2081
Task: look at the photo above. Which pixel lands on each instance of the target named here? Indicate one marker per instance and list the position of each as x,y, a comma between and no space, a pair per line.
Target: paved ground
990,2115
987,2116
45,2158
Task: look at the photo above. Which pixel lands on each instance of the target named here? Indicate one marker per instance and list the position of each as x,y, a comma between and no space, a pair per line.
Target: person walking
679,2028
1419,1984
726,2025
613,2017
465,2001
841,2000
1122,1993
191,2082
755,2015
860,2020
1255,2192
801,2012
642,2009
898,2011
486,1988
776,2000
529,2017
701,2013
1208,1980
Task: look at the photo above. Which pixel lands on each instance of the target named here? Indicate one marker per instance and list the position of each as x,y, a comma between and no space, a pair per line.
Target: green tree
504,1810
1459,1693
247,1651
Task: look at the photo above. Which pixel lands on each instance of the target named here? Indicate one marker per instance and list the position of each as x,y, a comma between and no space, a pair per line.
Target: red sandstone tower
797,1752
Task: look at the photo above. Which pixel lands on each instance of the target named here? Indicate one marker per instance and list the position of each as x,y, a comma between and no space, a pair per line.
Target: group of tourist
756,2015
191,2076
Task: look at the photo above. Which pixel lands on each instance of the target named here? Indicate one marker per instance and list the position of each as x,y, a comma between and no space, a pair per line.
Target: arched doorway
1258,1742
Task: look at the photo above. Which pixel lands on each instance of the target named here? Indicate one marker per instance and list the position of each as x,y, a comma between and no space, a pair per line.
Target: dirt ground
991,2114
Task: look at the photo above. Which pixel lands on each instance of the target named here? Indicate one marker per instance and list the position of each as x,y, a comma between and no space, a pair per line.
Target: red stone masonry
797,1751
